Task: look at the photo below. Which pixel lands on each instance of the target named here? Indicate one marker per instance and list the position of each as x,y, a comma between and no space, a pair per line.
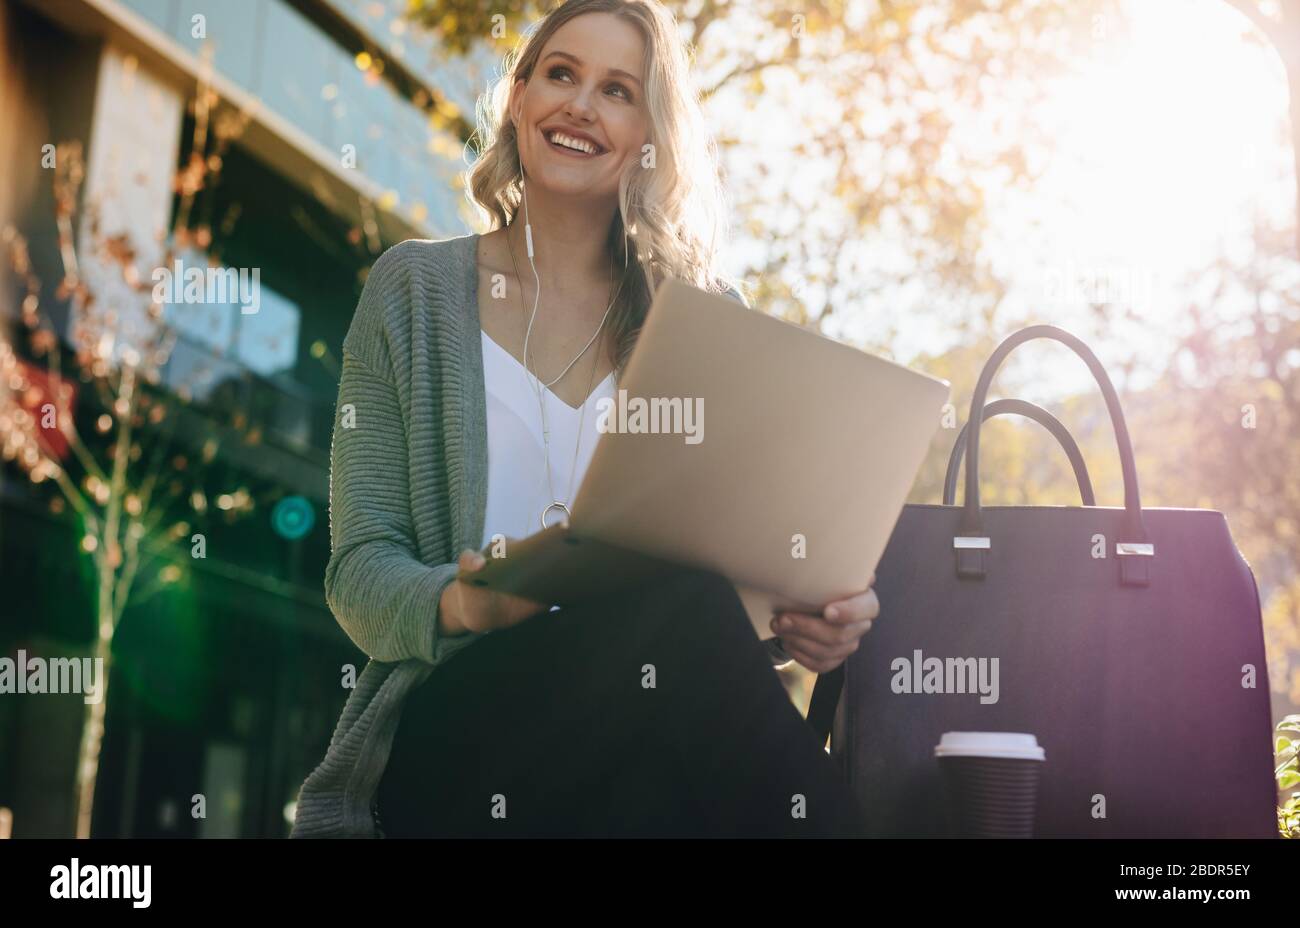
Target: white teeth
568,141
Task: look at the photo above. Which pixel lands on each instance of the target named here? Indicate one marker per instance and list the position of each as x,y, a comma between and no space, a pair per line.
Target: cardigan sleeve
383,596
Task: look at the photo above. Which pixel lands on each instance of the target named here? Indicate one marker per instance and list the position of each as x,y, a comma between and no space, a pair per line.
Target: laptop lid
750,446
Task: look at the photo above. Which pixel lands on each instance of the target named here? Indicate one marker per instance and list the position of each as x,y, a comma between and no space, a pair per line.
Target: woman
468,377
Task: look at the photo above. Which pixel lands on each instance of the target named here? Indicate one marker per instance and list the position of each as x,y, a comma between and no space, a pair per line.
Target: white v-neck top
517,491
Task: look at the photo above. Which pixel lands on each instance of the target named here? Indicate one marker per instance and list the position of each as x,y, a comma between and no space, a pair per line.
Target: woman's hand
464,607
822,642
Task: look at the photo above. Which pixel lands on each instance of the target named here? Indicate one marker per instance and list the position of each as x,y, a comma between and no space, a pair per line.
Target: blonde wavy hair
670,220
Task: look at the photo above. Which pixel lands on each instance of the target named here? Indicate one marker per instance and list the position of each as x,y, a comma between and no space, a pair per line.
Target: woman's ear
517,102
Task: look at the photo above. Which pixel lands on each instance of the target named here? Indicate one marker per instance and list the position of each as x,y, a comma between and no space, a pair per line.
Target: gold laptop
742,444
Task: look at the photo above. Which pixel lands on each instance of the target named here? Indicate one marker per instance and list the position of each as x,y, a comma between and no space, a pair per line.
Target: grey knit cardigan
408,492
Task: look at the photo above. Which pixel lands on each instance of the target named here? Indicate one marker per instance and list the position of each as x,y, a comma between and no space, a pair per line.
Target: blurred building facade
229,685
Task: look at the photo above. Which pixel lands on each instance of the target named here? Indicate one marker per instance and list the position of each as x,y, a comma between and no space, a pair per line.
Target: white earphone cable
540,386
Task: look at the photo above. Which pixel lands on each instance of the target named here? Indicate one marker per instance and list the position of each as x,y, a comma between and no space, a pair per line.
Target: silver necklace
557,504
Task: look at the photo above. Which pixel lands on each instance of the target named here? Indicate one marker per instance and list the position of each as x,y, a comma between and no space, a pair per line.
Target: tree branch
785,60
1271,28
709,14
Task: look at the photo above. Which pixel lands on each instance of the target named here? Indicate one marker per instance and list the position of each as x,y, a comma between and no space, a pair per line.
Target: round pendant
564,519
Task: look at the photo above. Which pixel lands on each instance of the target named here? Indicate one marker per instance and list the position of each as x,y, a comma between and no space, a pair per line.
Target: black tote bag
1127,640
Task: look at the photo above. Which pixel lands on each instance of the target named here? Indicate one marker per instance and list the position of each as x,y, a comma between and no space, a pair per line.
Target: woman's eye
559,70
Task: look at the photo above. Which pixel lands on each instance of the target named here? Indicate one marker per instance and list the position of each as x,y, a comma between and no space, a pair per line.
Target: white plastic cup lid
1012,744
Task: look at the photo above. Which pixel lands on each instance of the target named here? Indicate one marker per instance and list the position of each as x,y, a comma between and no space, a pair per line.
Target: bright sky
1168,142
1165,141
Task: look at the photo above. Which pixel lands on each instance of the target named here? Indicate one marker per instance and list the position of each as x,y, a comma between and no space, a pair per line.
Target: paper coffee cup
992,779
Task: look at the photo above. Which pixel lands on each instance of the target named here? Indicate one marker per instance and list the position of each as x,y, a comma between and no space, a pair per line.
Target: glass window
210,324
297,63
382,136
234,27
194,372
162,13
363,117
267,341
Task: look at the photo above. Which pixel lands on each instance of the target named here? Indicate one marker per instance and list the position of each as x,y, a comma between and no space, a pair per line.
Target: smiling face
580,117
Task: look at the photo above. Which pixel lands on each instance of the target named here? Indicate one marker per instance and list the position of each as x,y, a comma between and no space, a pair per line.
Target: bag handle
826,691
1134,551
1134,555
1043,418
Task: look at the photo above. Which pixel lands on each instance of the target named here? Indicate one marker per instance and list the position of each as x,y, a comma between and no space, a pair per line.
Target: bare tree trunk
1284,34
92,728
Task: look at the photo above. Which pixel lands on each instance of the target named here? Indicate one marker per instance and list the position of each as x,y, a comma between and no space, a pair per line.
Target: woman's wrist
449,623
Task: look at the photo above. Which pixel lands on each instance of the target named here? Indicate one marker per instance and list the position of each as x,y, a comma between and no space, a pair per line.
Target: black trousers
652,713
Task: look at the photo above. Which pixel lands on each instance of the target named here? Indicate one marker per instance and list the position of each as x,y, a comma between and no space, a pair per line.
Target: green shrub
1287,749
